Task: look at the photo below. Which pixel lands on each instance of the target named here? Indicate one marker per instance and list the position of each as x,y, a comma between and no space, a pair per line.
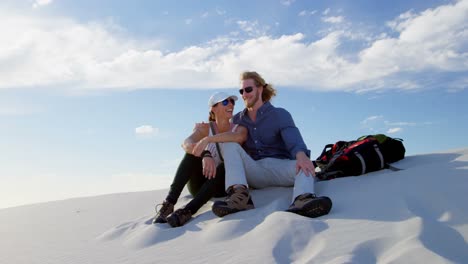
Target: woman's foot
166,209
179,217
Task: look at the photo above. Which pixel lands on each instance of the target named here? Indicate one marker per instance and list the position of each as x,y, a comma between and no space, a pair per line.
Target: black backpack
366,154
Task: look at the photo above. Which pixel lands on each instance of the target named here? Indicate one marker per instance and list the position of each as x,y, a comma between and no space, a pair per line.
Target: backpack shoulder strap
328,146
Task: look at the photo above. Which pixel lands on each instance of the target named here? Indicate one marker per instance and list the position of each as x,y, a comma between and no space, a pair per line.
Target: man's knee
229,147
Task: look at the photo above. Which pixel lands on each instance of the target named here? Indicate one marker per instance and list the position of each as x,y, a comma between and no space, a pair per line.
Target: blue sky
97,96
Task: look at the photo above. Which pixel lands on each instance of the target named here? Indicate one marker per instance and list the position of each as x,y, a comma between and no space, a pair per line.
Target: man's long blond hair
268,90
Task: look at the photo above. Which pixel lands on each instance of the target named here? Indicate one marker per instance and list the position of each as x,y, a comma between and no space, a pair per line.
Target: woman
204,174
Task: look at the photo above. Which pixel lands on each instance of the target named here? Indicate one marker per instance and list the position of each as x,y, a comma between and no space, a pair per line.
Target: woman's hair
268,90
211,116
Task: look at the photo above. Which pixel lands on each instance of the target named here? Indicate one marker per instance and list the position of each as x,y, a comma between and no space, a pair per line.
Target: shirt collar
264,108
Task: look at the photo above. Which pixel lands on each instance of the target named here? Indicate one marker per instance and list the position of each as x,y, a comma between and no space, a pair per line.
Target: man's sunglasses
247,89
226,102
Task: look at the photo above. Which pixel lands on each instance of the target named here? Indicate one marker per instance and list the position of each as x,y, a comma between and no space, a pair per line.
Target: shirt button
255,128
256,141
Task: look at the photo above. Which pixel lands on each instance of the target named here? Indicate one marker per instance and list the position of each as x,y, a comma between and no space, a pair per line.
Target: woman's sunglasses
247,89
226,102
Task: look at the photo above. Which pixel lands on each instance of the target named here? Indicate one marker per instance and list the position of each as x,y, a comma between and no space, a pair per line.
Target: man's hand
304,164
209,167
200,146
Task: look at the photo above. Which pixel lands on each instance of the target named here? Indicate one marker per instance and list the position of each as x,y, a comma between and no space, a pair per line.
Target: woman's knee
195,184
191,158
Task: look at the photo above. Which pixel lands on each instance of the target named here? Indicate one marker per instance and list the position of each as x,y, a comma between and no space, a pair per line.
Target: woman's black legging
190,172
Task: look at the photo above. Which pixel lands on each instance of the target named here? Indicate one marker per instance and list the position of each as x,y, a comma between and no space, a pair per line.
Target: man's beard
253,102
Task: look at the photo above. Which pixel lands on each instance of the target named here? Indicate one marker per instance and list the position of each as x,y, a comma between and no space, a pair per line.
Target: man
274,154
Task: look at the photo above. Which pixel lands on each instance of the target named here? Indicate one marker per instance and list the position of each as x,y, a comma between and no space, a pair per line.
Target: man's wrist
305,153
298,154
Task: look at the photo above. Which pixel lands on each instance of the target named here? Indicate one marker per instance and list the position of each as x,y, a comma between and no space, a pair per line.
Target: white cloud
377,124
146,130
188,21
394,130
220,12
458,84
333,19
287,2
372,123
58,52
408,85
401,21
205,15
307,13
371,119
434,40
39,3
252,28
326,11
400,123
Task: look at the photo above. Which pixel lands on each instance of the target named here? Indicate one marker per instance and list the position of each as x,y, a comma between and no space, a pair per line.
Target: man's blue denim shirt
272,135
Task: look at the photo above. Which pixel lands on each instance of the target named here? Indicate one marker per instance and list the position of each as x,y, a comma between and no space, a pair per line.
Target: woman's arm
201,130
238,136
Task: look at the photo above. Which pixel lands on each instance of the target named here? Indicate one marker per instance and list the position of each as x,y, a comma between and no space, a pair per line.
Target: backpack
352,158
392,148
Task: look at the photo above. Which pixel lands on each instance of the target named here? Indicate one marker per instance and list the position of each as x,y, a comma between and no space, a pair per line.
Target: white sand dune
417,215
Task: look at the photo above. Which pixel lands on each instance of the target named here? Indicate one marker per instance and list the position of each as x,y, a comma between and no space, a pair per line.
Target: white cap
219,97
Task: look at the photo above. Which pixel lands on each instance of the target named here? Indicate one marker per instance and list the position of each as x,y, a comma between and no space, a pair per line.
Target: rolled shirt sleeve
290,133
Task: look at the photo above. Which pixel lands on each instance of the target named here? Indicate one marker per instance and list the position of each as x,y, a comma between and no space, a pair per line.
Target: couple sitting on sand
258,147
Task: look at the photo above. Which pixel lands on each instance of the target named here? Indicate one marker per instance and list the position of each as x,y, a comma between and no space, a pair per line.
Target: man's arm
290,134
295,144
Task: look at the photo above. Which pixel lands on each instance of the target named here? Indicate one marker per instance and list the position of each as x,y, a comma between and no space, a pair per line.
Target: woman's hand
200,126
209,167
